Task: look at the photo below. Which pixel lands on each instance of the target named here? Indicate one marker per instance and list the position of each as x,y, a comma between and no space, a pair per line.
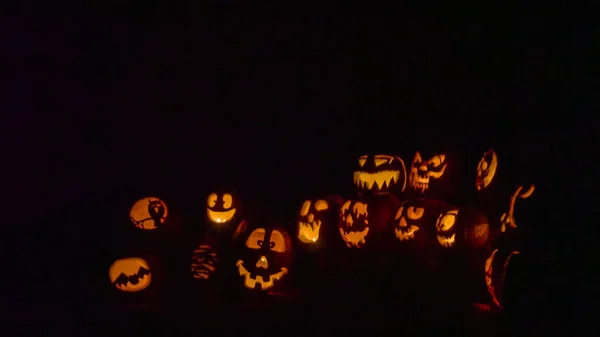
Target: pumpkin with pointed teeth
380,174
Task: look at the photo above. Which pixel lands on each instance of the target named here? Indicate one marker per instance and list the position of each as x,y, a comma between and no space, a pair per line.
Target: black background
109,101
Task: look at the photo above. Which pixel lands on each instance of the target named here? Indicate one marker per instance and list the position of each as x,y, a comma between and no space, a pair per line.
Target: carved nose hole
262,263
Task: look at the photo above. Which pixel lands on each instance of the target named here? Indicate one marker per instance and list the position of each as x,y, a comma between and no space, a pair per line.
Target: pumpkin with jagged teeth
462,227
380,174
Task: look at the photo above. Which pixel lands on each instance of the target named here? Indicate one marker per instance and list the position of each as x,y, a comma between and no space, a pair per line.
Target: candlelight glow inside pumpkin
354,223
220,207
204,261
310,220
489,276
423,171
266,258
149,213
407,220
471,225
380,173
486,169
130,274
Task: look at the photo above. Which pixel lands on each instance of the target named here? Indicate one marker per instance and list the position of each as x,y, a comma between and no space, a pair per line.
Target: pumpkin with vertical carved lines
264,255
380,174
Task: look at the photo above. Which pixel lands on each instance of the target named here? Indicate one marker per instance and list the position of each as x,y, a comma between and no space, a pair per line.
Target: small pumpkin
149,213
380,174
204,261
264,255
462,227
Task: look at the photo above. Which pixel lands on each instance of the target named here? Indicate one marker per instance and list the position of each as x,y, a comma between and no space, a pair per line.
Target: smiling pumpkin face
221,208
380,174
265,258
354,223
462,227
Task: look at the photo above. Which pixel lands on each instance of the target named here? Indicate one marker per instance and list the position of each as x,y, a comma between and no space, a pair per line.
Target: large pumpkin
464,227
380,174
263,255
149,213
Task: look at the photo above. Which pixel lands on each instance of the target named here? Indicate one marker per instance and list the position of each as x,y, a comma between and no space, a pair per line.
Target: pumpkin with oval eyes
315,219
265,257
462,227
149,213
415,221
380,174
222,208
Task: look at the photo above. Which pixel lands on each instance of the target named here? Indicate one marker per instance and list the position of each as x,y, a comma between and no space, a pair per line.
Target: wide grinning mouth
220,217
262,282
378,181
446,241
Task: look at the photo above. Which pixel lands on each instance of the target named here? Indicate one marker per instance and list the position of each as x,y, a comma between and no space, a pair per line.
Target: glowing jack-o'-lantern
424,170
486,170
130,274
380,174
417,215
496,267
310,219
265,257
204,261
149,213
470,224
354,223
221,208
507,220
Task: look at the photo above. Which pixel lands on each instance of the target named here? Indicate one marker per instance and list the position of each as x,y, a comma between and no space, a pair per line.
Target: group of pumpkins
397,210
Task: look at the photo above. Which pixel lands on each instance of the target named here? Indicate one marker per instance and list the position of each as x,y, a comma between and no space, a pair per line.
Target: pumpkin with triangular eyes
415,221
264,255
464,227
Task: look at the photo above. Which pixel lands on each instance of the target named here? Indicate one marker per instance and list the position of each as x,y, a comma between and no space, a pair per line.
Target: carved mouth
220,217
354,239
309,232
420,184
378,181
407,234
135,283
446,241
251,282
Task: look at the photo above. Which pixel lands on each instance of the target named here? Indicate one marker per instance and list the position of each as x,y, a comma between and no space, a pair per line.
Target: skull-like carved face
310,219
486,169
354,223
423,171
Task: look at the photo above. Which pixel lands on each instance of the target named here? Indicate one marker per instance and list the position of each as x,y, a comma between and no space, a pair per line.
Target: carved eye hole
305,207
227,200
382,159
277,243
483,166
345,207
437,160
212,200
446,221
256,239
321,205
417,161
415,213
362,160
399,213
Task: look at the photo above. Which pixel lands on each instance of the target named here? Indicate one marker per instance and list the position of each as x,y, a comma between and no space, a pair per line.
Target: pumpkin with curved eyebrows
380,174
264,255
462,227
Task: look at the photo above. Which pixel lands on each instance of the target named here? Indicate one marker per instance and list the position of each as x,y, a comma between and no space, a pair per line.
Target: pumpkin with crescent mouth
380,174
462,227
264,259
222,208
149,213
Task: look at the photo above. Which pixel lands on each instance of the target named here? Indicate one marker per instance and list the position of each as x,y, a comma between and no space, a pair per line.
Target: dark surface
107,103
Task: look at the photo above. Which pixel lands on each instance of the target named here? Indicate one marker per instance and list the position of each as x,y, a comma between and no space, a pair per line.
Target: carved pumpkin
315,219
221,208
462,227
496,267
149,213
204,261
130,274
380,174
486,170
354,223
415,221
265,257
425,171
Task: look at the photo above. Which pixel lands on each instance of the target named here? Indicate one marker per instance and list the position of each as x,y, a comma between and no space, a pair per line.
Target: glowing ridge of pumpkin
380,175
508,219
148,213
486,170
423,171
309,223
130,274
251,283
489,274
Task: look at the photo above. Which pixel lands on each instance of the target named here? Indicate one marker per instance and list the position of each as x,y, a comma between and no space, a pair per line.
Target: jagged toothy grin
407,234
309,232
354,239
377,181
445,241
250,282
420,185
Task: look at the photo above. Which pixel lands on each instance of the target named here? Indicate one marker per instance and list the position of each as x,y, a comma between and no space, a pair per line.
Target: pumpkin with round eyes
380,174
265,257
149,213
415,221
221,208
470,224
315,218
